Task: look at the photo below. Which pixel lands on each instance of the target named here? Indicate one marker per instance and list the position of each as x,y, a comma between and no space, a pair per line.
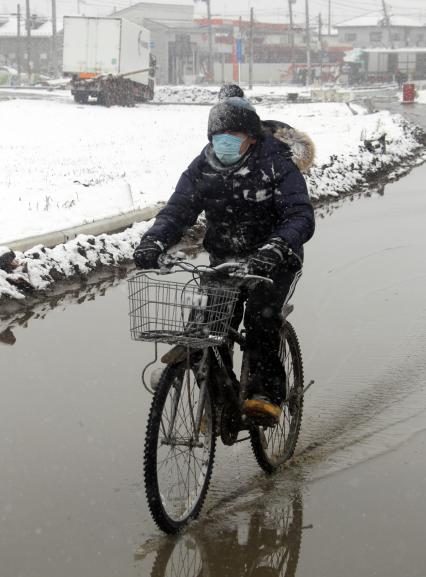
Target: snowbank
421,96
208,94
64,165
41,267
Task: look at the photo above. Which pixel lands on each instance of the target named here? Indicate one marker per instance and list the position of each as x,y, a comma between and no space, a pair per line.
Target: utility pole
210,54
290,12
54,60
18,42
240,45
329,18
251,53
308,45
28,27
320,43
210,70
387,22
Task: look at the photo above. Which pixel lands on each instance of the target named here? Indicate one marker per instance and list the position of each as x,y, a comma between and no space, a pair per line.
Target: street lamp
290,11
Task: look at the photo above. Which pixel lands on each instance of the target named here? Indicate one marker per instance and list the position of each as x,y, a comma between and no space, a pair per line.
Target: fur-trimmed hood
300,144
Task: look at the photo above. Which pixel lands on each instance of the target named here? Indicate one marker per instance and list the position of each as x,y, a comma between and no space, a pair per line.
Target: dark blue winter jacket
261,197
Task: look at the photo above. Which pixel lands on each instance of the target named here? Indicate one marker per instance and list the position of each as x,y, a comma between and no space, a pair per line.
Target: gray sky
265,10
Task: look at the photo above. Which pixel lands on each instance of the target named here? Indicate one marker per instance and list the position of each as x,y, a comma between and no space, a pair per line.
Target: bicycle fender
176,355
287,310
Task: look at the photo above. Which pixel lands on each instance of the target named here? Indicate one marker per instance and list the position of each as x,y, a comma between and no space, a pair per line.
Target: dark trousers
262,321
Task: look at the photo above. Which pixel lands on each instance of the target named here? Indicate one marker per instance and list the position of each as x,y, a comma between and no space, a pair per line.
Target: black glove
147,253
7,259
269,256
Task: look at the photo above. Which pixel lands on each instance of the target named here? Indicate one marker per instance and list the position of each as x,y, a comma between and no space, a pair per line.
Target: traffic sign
239,49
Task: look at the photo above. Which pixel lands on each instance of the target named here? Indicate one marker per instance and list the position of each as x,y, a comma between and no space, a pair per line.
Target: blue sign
239,50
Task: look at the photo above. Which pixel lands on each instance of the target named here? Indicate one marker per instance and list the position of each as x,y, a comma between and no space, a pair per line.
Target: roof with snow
159,14
405,50
377,19
189,3
218,22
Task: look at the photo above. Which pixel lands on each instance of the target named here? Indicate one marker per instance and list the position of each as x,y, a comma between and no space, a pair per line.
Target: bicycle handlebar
168,261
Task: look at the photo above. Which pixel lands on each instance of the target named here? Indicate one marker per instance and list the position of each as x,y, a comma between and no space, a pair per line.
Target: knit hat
234,114
229,90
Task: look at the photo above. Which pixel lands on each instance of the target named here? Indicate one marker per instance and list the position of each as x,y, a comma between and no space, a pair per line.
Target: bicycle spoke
183,453
275,445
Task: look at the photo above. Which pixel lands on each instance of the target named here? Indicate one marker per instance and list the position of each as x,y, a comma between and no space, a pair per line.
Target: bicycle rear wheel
178,458
272,446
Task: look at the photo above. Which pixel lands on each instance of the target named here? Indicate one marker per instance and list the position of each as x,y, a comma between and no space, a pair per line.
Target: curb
104,226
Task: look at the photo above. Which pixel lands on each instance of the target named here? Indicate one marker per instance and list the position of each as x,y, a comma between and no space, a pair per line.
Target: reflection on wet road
73,418
256,543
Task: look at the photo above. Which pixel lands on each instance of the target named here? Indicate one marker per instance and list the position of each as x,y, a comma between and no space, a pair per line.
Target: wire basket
180,313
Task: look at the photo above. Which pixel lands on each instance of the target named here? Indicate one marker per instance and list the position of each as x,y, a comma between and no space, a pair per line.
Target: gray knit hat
235,114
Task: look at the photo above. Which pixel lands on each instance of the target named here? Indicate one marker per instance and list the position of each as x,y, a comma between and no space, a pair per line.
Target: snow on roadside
421,96
64,165
42,267
208,94
82,163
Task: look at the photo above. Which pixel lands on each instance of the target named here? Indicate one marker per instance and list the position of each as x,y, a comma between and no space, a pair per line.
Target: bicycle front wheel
179,448
272,446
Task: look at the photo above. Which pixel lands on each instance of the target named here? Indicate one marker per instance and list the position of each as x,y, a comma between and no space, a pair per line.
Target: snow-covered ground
421,96
41,267
65,164
208,94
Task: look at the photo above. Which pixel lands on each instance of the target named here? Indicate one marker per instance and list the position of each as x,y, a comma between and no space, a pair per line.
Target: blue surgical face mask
227,148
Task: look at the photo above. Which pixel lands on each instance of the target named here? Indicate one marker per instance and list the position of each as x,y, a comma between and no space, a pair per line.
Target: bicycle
197,397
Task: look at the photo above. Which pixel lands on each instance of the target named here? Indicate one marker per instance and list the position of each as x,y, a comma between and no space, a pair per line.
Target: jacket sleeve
296,222
181,211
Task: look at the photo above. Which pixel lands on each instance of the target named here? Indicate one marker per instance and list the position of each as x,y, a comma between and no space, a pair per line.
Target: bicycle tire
263,438
181,556
280,549
177,377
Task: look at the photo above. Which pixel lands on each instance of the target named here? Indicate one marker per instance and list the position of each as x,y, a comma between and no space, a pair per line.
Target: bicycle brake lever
259,278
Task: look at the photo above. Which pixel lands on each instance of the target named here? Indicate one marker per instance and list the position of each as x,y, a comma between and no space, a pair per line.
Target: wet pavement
414,111
351,503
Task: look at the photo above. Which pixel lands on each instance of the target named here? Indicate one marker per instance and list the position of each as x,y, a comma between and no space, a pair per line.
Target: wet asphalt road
413,111
352,503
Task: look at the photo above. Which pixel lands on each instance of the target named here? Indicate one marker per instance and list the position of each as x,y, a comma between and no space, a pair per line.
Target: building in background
40,49
180,44
172,38
394,64
373,31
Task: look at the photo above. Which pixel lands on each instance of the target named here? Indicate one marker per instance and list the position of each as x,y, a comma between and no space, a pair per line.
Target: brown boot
261,408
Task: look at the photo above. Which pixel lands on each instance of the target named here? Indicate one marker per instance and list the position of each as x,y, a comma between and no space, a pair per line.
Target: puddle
73,416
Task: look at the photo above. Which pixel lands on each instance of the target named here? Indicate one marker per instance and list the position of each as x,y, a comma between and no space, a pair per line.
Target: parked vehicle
108,59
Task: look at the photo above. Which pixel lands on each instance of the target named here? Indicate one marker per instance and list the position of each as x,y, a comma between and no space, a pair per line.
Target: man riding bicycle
257,208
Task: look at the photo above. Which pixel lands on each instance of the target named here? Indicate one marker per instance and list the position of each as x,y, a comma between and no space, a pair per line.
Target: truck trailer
108,59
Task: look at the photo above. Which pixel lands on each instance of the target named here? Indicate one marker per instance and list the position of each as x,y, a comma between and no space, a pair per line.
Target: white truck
108,59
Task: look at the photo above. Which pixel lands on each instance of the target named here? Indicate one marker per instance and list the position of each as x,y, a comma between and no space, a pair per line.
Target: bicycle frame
213,353
227,389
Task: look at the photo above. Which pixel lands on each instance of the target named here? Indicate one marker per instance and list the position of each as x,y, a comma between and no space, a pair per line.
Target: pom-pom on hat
228,90
234,114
